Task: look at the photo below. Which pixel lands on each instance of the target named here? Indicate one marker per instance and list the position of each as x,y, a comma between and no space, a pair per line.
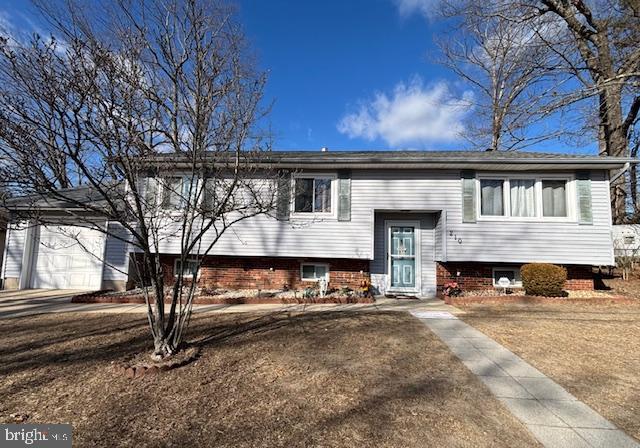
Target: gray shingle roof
403,156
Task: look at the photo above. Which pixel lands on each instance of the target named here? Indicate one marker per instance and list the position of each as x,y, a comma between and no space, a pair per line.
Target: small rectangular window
491,197
629,239
314,272
554,198
511,274
312,195
188,269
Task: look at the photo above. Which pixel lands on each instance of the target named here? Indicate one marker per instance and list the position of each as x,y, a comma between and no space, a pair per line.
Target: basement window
188,269
511,274
312,272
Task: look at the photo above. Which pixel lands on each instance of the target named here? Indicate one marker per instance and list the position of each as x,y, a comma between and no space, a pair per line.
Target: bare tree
143,114
507,64
601,65
633,199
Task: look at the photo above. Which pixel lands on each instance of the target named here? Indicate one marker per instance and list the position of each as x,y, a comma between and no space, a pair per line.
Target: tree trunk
613,141
633,188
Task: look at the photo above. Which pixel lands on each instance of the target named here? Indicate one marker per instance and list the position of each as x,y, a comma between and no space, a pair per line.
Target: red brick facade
474,276
270,273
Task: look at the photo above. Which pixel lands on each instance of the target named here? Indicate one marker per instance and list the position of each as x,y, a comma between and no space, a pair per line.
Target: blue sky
350,74
327,60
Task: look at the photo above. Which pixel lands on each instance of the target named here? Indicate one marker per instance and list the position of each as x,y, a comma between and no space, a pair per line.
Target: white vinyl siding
507,241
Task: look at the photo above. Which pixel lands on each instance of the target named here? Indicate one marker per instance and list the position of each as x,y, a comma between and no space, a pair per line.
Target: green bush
543,279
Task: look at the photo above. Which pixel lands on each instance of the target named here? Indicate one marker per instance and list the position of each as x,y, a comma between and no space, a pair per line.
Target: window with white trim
312,272
524,197
511,274
313,194
188,269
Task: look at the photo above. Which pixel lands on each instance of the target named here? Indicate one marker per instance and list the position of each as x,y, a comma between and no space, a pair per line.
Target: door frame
418,253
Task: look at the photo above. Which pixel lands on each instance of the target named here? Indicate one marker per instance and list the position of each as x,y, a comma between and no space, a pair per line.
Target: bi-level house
406,221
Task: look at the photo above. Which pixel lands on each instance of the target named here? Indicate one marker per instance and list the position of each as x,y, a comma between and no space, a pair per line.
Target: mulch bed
460,301
101,297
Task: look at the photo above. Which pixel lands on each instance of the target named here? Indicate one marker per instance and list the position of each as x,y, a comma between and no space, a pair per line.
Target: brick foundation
478,276
270,273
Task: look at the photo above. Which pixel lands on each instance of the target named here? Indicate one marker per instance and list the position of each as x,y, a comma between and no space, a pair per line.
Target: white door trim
418,246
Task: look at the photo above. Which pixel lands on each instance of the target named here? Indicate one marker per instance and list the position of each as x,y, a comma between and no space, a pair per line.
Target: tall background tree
145,115
542,58
507,64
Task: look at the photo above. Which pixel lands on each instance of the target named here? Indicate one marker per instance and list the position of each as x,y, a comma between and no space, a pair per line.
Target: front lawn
591,350
317,379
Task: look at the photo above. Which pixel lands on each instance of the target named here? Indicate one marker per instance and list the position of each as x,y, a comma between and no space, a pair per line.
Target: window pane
491,197
190,268
322,195
523,198
172,192
304,195
308,272
321,271
554,198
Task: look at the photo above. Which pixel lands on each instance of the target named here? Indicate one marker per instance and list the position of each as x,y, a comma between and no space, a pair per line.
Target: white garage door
68,257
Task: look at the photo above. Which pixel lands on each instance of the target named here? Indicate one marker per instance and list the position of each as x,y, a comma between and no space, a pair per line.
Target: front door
403,252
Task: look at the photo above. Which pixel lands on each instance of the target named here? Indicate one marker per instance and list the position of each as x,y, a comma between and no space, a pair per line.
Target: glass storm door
402,256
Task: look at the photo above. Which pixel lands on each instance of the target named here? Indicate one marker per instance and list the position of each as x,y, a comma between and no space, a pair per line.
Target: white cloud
425,7
412,114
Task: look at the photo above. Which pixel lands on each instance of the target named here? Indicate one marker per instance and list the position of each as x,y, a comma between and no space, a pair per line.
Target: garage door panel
68,257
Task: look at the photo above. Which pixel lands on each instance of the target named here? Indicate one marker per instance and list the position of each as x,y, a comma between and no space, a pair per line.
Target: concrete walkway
31,302
554,416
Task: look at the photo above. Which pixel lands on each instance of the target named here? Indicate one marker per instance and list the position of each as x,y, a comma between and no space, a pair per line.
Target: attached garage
67,257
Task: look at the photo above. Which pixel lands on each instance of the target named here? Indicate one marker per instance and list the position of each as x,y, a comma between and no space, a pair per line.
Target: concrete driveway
34,301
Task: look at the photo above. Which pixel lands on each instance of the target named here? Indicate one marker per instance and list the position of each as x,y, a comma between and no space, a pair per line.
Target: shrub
543,279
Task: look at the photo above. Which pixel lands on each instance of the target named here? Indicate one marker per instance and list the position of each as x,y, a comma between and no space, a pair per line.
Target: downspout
619,173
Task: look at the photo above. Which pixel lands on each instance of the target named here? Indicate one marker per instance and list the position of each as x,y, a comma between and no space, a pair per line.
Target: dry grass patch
591,350
317,379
